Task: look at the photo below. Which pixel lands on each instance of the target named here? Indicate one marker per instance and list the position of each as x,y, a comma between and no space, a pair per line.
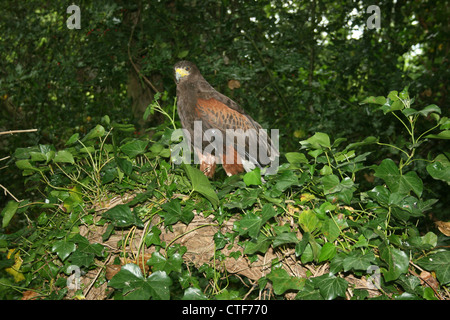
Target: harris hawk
248,146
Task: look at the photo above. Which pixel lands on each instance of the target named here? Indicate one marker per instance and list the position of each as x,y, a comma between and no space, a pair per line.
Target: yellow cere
180,72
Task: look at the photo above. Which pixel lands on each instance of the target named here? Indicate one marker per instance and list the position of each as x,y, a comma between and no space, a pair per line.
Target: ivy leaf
201,184
366,141
132,282
46,153
380,100
388,171
253,177
439,263
267,212
122,216
445,134
440,168
250,224
282,281
330,286
285,180
330,230
159,283
260,245
311,251
301,245
64,156
72,139
220,240
81,258
26,165
13,265
380,194
424,112
98,131
336,265
318,141
429,109
183,54
193,294
85,246
309,221
156,148
134,148
411,181
327,252
389,107
159,262
284,238
331,184
136,287
153,237
124,165
243,198
8,212
63,248
396,259
296,158
397,182
124,127
174,213
393,95
356,260
309,292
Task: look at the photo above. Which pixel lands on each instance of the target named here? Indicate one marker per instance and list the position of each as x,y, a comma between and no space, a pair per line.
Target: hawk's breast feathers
197,100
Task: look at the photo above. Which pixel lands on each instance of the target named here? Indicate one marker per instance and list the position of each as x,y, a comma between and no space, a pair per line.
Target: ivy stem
392,146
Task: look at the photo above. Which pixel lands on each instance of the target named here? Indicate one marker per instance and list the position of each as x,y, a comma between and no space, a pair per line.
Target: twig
7,191
254,285
131,59
269,72
423,279
86,291
18,131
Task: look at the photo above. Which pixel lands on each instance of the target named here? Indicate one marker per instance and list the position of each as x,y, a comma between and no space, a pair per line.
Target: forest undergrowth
111,217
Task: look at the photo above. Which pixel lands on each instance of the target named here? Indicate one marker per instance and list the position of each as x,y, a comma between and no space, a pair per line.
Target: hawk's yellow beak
180,73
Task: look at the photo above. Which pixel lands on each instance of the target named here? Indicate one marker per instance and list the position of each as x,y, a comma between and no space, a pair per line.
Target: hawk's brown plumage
197,100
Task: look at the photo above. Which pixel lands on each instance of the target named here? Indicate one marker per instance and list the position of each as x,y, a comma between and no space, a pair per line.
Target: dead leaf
141,261
14,270
234,84
369,177
443,227
111,270
428,278
29,295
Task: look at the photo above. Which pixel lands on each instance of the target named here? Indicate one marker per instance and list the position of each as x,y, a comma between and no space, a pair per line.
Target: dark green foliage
363,176
315,205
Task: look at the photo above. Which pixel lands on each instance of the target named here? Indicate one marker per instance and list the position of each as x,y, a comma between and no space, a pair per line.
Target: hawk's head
185,70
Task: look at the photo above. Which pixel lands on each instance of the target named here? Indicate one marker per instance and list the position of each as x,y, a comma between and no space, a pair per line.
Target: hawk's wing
243,138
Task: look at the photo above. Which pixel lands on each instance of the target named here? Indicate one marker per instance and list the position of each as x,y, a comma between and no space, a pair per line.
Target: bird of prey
239,141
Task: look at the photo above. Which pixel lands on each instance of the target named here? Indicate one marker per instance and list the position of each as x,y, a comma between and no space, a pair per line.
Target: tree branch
7,192
18,131
135,67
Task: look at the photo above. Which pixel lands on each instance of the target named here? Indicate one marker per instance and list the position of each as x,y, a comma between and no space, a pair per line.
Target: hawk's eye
187,68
